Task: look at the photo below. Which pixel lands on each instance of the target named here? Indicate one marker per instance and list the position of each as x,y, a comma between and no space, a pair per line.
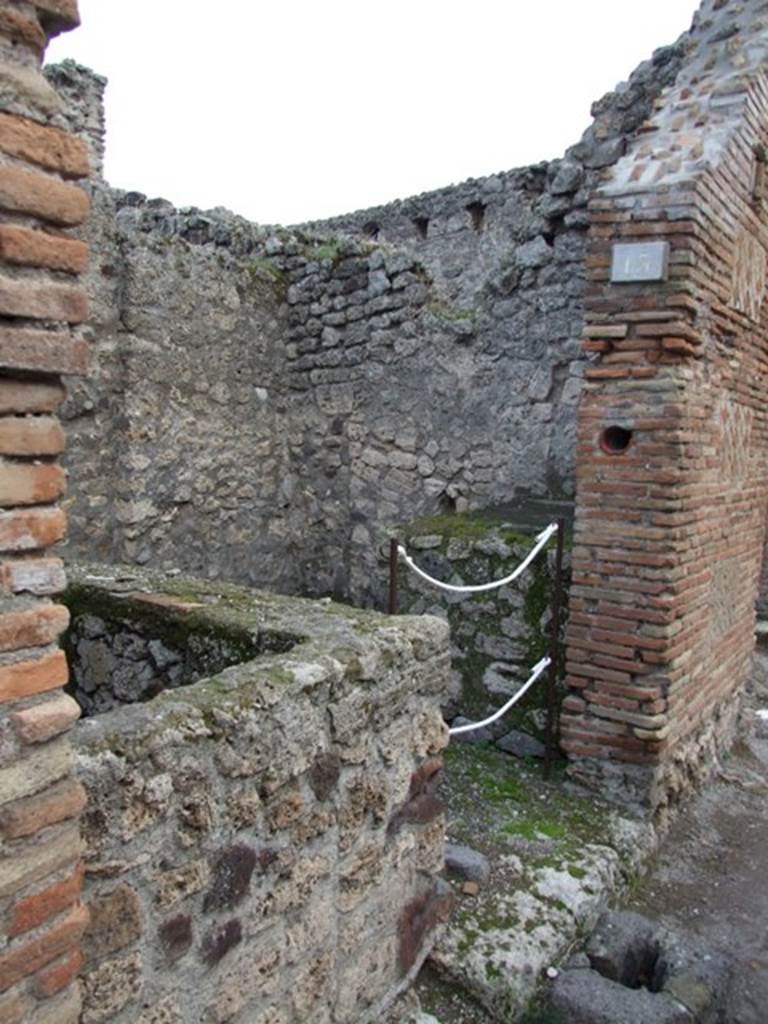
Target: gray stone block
534,253
568,178
466,863
521,744
474,735
625,948
586,997
501,679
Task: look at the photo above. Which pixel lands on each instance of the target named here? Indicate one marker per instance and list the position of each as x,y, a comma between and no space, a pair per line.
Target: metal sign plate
639,261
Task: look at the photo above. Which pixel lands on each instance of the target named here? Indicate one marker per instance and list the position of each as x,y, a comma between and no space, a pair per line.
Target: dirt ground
711,876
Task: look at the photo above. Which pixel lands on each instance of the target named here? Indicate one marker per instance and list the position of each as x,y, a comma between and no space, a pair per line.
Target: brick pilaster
673,438
42,303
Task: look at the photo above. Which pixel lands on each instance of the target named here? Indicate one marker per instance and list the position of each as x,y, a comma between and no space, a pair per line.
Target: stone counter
262,844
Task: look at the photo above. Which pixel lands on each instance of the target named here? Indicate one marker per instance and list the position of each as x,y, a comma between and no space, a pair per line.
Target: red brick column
41,306
626,615
672,454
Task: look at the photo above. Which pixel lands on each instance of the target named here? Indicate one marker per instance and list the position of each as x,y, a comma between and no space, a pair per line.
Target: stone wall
274,401
188,398
497,636
671,472
263,844
117,659
42,308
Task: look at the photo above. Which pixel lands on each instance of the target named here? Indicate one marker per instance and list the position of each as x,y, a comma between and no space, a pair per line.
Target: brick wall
671,513
41,306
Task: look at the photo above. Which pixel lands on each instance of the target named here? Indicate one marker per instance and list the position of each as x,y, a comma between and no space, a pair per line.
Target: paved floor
711,876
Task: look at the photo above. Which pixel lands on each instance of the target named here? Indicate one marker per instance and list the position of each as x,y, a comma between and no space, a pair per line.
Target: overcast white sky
290,110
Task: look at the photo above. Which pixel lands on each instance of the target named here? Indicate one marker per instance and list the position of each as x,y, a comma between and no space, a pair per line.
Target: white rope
538,668
541,540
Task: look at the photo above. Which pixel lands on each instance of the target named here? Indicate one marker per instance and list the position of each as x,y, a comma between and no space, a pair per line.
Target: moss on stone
173,626
262,275
469,525
454,314
534,830
332,250
444,997
525,807
537,601
491,970
540,1013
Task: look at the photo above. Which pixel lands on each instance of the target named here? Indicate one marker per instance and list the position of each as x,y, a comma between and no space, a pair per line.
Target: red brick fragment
60,802
25,678
23,191
34,910
30,248
43,721
22,961
44,145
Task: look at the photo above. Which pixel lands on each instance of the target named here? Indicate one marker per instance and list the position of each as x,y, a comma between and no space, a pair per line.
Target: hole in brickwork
447,504
758,175
371,230
476,213
422,226
556,224
615,440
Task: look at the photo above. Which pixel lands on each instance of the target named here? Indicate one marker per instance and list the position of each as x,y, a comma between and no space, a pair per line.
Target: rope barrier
538,668
541,540
397,550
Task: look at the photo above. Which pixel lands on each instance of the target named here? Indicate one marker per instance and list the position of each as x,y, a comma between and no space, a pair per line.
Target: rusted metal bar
392,605
554,648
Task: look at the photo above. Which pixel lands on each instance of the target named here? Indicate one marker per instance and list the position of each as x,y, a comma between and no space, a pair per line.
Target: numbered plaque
639,261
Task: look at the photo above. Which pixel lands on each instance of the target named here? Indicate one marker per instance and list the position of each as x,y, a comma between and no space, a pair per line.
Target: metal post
554,647
392,606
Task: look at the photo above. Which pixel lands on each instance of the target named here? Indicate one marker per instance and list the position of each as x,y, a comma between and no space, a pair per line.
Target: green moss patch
177,627
501,802
331,250
263,276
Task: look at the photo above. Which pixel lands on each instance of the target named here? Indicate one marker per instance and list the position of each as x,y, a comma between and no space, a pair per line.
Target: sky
293,110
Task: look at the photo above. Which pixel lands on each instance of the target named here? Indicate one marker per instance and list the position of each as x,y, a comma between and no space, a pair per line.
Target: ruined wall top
693,120
617,116
699,79
728,38
82,91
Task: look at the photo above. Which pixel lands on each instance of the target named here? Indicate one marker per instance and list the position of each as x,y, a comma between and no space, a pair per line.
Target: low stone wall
262,845
496,636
